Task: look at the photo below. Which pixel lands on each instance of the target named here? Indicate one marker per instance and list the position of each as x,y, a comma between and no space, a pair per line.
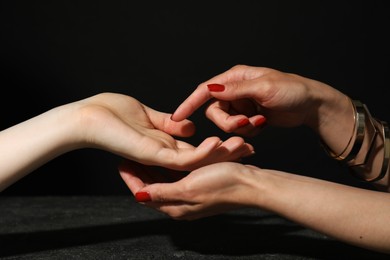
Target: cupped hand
206,191
244,97
123,125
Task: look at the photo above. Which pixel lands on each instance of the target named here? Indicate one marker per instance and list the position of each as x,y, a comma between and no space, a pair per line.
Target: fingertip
191,103
174,117
184,128
243,122
143,196
214,87
180,113
259,121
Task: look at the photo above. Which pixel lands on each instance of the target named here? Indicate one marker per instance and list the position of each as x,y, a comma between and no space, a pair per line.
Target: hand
247,94
339,211
125,126
113,122
207,191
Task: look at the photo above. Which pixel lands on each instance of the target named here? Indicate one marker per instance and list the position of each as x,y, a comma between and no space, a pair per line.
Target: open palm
123,125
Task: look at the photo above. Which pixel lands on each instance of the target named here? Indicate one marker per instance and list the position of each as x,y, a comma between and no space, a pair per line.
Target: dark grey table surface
116,227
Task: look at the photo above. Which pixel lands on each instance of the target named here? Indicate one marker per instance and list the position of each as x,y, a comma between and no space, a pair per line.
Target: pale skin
353,215
115,123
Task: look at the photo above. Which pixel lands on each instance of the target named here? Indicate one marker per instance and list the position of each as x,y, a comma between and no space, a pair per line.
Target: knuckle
239,67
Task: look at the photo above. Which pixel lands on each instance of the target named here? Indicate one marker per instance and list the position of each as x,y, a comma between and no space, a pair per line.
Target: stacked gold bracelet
361,147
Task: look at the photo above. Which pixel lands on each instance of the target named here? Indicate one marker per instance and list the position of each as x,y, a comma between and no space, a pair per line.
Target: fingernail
216,87
142,196
260,121
243,122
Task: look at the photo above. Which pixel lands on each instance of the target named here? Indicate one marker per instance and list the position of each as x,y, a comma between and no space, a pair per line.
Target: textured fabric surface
116,227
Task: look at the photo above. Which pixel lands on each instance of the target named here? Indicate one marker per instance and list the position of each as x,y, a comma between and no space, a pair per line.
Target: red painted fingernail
260,121
243,122
142,196
216,87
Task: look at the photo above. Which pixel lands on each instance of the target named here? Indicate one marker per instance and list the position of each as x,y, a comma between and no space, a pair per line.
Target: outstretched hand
123,125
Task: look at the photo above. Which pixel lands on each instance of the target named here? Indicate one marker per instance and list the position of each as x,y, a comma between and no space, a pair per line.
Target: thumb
158,192
163,122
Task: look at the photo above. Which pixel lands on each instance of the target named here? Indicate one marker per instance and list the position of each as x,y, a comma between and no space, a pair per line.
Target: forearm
353,215
28,145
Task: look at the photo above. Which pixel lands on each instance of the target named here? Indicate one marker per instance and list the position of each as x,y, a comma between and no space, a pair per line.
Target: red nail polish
216,87
260,121
142,196
243,122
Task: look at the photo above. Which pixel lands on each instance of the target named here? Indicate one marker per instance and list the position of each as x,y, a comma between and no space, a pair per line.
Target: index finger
197,98
200,96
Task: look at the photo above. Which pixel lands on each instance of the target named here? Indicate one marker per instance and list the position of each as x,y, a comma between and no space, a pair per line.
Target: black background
55,52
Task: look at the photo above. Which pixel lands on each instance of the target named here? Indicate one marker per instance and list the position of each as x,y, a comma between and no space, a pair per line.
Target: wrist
269,190
258,186
332,117
67,128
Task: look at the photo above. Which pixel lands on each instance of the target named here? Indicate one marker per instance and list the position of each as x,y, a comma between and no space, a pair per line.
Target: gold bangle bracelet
357,136
371,133
359,132
386,157
386,151
327,148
